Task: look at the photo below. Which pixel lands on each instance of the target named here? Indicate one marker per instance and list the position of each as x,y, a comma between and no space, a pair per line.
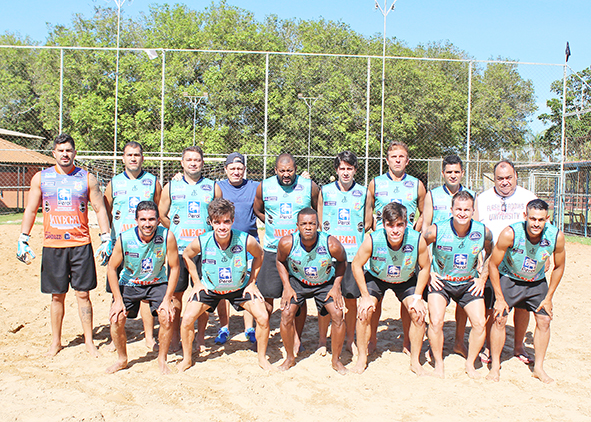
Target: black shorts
458,292
268,281
377,288
184,276
489,295
524,294
349,286
305,291
134,295
62,267
237,299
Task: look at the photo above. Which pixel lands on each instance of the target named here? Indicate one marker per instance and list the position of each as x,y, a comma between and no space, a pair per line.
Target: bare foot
183,365
460,349
164,369
54,349
542,376
494,375
472,373
92,350
419,370
321,350
288,363
109,347
338,366
439,372
117,366
266,366
406,348
359,367
200,345
151,344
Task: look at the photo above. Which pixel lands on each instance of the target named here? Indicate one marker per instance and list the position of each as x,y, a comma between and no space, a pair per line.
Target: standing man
305,265
277,203
396,186
183,208
225,277
241,192
438,208
517,273
394,252
498,207
65,191
143,252
342,205
457,243
122,195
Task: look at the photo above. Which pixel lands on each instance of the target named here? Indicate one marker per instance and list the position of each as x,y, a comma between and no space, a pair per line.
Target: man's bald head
285,158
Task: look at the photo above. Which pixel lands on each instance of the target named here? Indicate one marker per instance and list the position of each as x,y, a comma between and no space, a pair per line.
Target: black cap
235,157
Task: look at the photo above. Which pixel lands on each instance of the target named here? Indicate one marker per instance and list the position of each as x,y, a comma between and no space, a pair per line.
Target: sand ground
226,383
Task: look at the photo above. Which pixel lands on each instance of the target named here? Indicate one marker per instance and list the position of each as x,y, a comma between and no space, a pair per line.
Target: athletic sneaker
223,334
250,335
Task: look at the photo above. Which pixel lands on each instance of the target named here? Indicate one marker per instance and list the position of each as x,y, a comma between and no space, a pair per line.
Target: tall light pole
119,4
195,100
385,12
309,104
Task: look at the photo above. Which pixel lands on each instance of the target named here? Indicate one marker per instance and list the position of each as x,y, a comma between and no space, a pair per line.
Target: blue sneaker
250,335
223,334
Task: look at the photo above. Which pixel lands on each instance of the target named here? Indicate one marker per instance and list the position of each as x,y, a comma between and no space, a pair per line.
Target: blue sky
524,30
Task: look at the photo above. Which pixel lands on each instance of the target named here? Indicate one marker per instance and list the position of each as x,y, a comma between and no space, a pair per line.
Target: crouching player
395,252
224,267
143,251
457,243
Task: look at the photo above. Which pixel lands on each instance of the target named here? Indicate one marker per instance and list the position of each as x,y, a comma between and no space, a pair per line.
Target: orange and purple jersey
65,208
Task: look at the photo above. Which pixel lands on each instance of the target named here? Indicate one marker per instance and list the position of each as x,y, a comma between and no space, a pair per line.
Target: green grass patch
578,239
15,218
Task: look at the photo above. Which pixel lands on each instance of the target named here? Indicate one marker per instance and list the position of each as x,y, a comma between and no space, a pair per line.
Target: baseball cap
235,157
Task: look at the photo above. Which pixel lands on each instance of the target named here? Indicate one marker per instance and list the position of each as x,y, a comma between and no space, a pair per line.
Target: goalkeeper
65,191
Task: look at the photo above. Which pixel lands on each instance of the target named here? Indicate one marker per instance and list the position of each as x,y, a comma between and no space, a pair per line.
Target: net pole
162,117
367,121
561,188
266,116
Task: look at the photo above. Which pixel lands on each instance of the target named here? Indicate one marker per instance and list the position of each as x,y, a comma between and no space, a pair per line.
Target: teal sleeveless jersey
343,215
526,261
127,193
393,266
311,268
188,209
455,258
441,198
143,263
224,271
282,205
405,192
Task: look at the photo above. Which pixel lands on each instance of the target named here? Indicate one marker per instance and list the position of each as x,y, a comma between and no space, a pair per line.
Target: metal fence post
561,187
468,124
162,118
266,116
61,89
367,121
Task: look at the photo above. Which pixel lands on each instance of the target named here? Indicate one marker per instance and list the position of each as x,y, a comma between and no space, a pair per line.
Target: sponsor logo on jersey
330,203
298,188
50,175
408,248
324,263
475,236
529,265
311,273
158,240
67,236
207,188
445,248
381,193
278,233
285,210
475,250
360,227
49,235
47,184
209,251
176,219
82,207
518,251
63,221
407,261
544,242
461,261
191,233
194,209
409,184
357,206
357,193
78,185
147,182
178,197
321,250
132,254
225,275
133,201
238,261
64,197
159,253
326,226
347,240
119,193
344,217
381,251
394,271
147,266
46,206
134,189
237,249
209,261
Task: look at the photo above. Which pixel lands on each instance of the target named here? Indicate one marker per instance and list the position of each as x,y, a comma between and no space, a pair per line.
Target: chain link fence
265,103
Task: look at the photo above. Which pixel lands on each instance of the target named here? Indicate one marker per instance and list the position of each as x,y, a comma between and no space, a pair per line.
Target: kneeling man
143,251
224,268
457,244
305,265
516,271
395,252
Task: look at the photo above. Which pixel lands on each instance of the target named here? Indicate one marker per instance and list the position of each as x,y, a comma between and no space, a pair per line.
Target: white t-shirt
490,208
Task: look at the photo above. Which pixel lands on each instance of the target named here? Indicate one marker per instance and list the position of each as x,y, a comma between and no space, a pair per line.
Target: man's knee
543,322
288,314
